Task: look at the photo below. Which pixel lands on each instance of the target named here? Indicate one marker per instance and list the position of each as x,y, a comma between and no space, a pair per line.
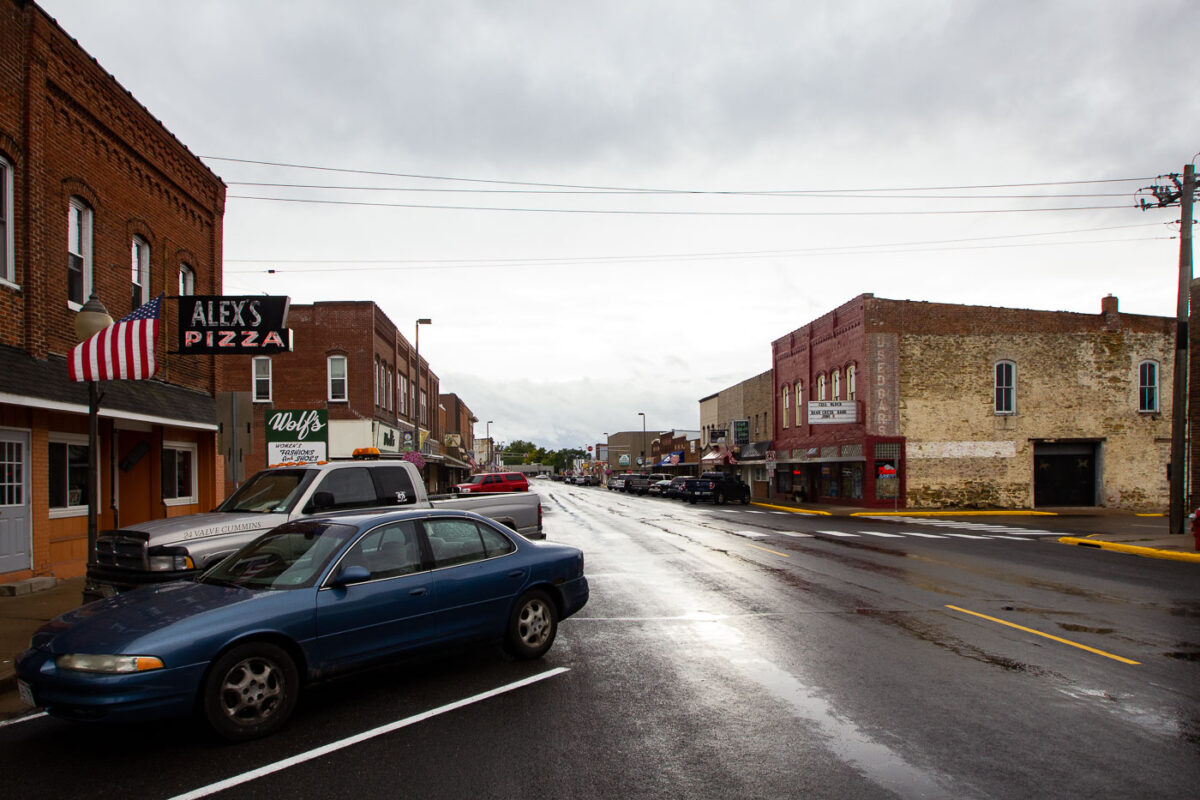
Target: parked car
616,483
174,548
716,487
493,482
637,483
310,598
659,488
675,490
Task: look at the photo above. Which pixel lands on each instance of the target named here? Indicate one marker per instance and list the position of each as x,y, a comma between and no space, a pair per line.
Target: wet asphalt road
736,653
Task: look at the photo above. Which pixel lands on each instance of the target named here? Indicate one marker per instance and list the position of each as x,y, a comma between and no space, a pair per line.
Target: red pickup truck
493,482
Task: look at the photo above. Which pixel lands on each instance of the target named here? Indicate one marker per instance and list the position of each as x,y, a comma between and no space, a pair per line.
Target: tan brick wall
1080,386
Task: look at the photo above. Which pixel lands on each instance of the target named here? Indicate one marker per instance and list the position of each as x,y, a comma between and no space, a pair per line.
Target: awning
672,460
719,457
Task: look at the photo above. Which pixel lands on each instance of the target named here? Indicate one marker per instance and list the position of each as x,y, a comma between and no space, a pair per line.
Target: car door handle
419,591
516,573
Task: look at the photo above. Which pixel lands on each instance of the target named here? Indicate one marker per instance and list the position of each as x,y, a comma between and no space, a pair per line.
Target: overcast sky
614,207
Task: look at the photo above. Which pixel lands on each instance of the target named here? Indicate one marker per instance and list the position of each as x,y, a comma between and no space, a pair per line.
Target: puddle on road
876,761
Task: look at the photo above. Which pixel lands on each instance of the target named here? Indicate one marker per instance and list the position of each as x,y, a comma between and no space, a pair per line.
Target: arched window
851,389
799,400
79,252
785,416
837,384
821,387
140,264
1148,387
1006,387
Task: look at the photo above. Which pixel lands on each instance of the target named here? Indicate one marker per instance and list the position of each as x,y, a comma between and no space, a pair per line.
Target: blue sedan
306,600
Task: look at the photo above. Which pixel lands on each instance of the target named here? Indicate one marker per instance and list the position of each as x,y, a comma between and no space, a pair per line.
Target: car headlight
170,559
110,665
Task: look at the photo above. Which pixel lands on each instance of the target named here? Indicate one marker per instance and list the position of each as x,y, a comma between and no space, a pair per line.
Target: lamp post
90,320
491,449
642,414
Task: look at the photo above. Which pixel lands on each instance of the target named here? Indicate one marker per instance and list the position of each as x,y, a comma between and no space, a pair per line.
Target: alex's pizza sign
233,325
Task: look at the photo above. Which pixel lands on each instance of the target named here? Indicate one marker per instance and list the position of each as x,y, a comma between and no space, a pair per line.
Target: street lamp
90,320
642,414
491,449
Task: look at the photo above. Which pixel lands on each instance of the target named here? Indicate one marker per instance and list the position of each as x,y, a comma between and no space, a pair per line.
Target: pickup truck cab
716,487
181,547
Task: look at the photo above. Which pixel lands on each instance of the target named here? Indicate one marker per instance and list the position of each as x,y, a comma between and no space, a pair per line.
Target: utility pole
1181,192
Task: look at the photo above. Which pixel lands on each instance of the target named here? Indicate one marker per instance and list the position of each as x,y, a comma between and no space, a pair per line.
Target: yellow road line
1047,635
773,552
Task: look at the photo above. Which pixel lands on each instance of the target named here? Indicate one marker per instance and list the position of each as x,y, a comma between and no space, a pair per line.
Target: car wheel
692,500
532,626
250,691
719,499
745,499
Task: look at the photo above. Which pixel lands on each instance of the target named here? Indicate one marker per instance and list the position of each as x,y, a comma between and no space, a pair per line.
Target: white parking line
839,533
926,535
967,536
881,533
341,744
795,535
750,534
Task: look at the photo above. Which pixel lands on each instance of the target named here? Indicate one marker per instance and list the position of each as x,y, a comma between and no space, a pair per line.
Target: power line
675,213
501,182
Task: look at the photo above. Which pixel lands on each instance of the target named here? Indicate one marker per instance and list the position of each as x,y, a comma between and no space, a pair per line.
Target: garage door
1064,474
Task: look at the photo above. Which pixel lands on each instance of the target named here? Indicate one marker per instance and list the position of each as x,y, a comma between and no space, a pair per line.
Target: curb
793,509
1012,513
1145,552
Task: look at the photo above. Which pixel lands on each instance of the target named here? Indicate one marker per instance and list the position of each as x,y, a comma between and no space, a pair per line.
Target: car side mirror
355,573
321,500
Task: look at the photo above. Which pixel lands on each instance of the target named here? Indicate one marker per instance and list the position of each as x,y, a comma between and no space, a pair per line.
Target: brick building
737,430
676,452
349,360
96,197
457,424
887,402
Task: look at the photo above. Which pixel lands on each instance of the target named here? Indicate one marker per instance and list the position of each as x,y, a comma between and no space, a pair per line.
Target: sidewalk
41,599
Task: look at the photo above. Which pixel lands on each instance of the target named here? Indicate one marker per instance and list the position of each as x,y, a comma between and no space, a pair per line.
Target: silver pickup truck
180,547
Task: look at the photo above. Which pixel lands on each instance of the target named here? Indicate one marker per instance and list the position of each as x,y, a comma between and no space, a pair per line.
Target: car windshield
477,479
275,490
291,556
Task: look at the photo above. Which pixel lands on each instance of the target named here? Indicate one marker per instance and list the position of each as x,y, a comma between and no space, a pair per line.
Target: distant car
493,482
659,488
307,599
676,487
556,477
616,483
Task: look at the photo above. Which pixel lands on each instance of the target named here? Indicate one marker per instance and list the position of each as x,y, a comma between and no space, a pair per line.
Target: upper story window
378,375
785,416
337,379
8,266
388,393
402,395
820,387
1006,387
79,252
140,264
187,280
424,401
262,379
851,388
799,400
1148,387
837,384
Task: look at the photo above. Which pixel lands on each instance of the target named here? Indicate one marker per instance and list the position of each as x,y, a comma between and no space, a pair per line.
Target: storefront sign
233,325
741,432
832,412
297,436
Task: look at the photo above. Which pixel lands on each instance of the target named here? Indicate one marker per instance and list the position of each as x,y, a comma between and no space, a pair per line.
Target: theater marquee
233,325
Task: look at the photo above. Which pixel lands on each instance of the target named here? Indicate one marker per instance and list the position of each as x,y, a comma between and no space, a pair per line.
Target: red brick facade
381,380
69,133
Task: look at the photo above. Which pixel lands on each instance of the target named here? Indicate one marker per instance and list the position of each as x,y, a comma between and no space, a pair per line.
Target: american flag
123,350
